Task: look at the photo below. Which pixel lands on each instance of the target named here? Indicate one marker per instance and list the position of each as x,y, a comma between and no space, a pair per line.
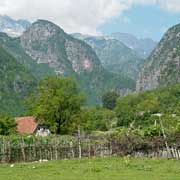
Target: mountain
13,46
162,68
49,44
114,55
16,83
143,47
45,49
13,27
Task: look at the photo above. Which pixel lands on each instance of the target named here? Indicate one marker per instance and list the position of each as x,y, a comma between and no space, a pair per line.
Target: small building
28,125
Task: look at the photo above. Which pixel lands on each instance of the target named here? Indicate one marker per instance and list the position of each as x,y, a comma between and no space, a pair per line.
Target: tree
137,109
7,125
109,100
56,102
96,119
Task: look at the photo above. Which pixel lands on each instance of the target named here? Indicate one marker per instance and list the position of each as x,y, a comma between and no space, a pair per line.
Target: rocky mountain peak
163,66
49,44
43,30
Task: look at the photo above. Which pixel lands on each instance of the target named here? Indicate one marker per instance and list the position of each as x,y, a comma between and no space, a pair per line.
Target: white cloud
77,15
170,5
72,15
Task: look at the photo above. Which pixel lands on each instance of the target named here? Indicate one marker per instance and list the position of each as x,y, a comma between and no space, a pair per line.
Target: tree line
59,103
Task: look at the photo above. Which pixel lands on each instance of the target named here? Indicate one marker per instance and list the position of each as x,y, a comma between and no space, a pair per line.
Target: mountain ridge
114,55
45,49
143,47
162,68
13,28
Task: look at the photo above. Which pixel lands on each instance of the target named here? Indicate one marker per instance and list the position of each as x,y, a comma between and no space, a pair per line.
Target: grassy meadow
114,168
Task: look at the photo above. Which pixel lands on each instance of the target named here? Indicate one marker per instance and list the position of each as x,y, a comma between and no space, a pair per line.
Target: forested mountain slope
45,50
16,83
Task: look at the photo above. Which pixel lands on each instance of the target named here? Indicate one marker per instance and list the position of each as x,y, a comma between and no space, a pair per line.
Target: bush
7,125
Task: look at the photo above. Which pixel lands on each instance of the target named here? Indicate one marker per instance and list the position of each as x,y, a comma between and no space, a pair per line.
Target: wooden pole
79,142
164,135
89,147
22,149
71,148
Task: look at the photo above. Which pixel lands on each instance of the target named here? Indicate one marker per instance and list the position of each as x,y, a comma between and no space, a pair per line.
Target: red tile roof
26,125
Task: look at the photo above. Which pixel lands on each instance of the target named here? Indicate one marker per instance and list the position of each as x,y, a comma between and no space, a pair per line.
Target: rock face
16,83
163,66
47,43
12,27
143,47
114,55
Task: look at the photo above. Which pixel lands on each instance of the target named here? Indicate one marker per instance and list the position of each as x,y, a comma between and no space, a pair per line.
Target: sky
143,18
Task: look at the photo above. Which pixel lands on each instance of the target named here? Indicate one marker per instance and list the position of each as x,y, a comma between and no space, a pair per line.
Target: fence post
164,135
79,142
22,149
177,157
9,150
71,147
3,151
89,147
56,148
110,148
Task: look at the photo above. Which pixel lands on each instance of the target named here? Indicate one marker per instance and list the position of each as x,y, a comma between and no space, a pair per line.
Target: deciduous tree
57,101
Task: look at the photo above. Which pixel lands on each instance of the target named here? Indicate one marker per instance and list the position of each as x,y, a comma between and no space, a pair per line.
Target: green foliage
100,81
57,101
139,108
94,119
7,125
16,83
109,100
152,131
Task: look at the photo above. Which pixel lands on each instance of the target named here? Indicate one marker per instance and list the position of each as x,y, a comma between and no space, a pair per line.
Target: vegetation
59,103
16,83
56,103
139,124
96,119
109,100
95,169
7,125
143,109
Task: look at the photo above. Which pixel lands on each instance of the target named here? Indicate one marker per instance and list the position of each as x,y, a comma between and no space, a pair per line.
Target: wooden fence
29,149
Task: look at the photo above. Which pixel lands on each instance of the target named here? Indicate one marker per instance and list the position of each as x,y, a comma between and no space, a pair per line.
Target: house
28,125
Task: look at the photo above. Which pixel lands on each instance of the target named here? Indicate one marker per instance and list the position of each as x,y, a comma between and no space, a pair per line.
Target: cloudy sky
144,18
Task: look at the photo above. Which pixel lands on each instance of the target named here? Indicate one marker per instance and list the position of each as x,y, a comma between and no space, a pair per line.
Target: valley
99,105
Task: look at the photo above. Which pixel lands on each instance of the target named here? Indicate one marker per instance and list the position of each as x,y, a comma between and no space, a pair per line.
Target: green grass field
94,169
